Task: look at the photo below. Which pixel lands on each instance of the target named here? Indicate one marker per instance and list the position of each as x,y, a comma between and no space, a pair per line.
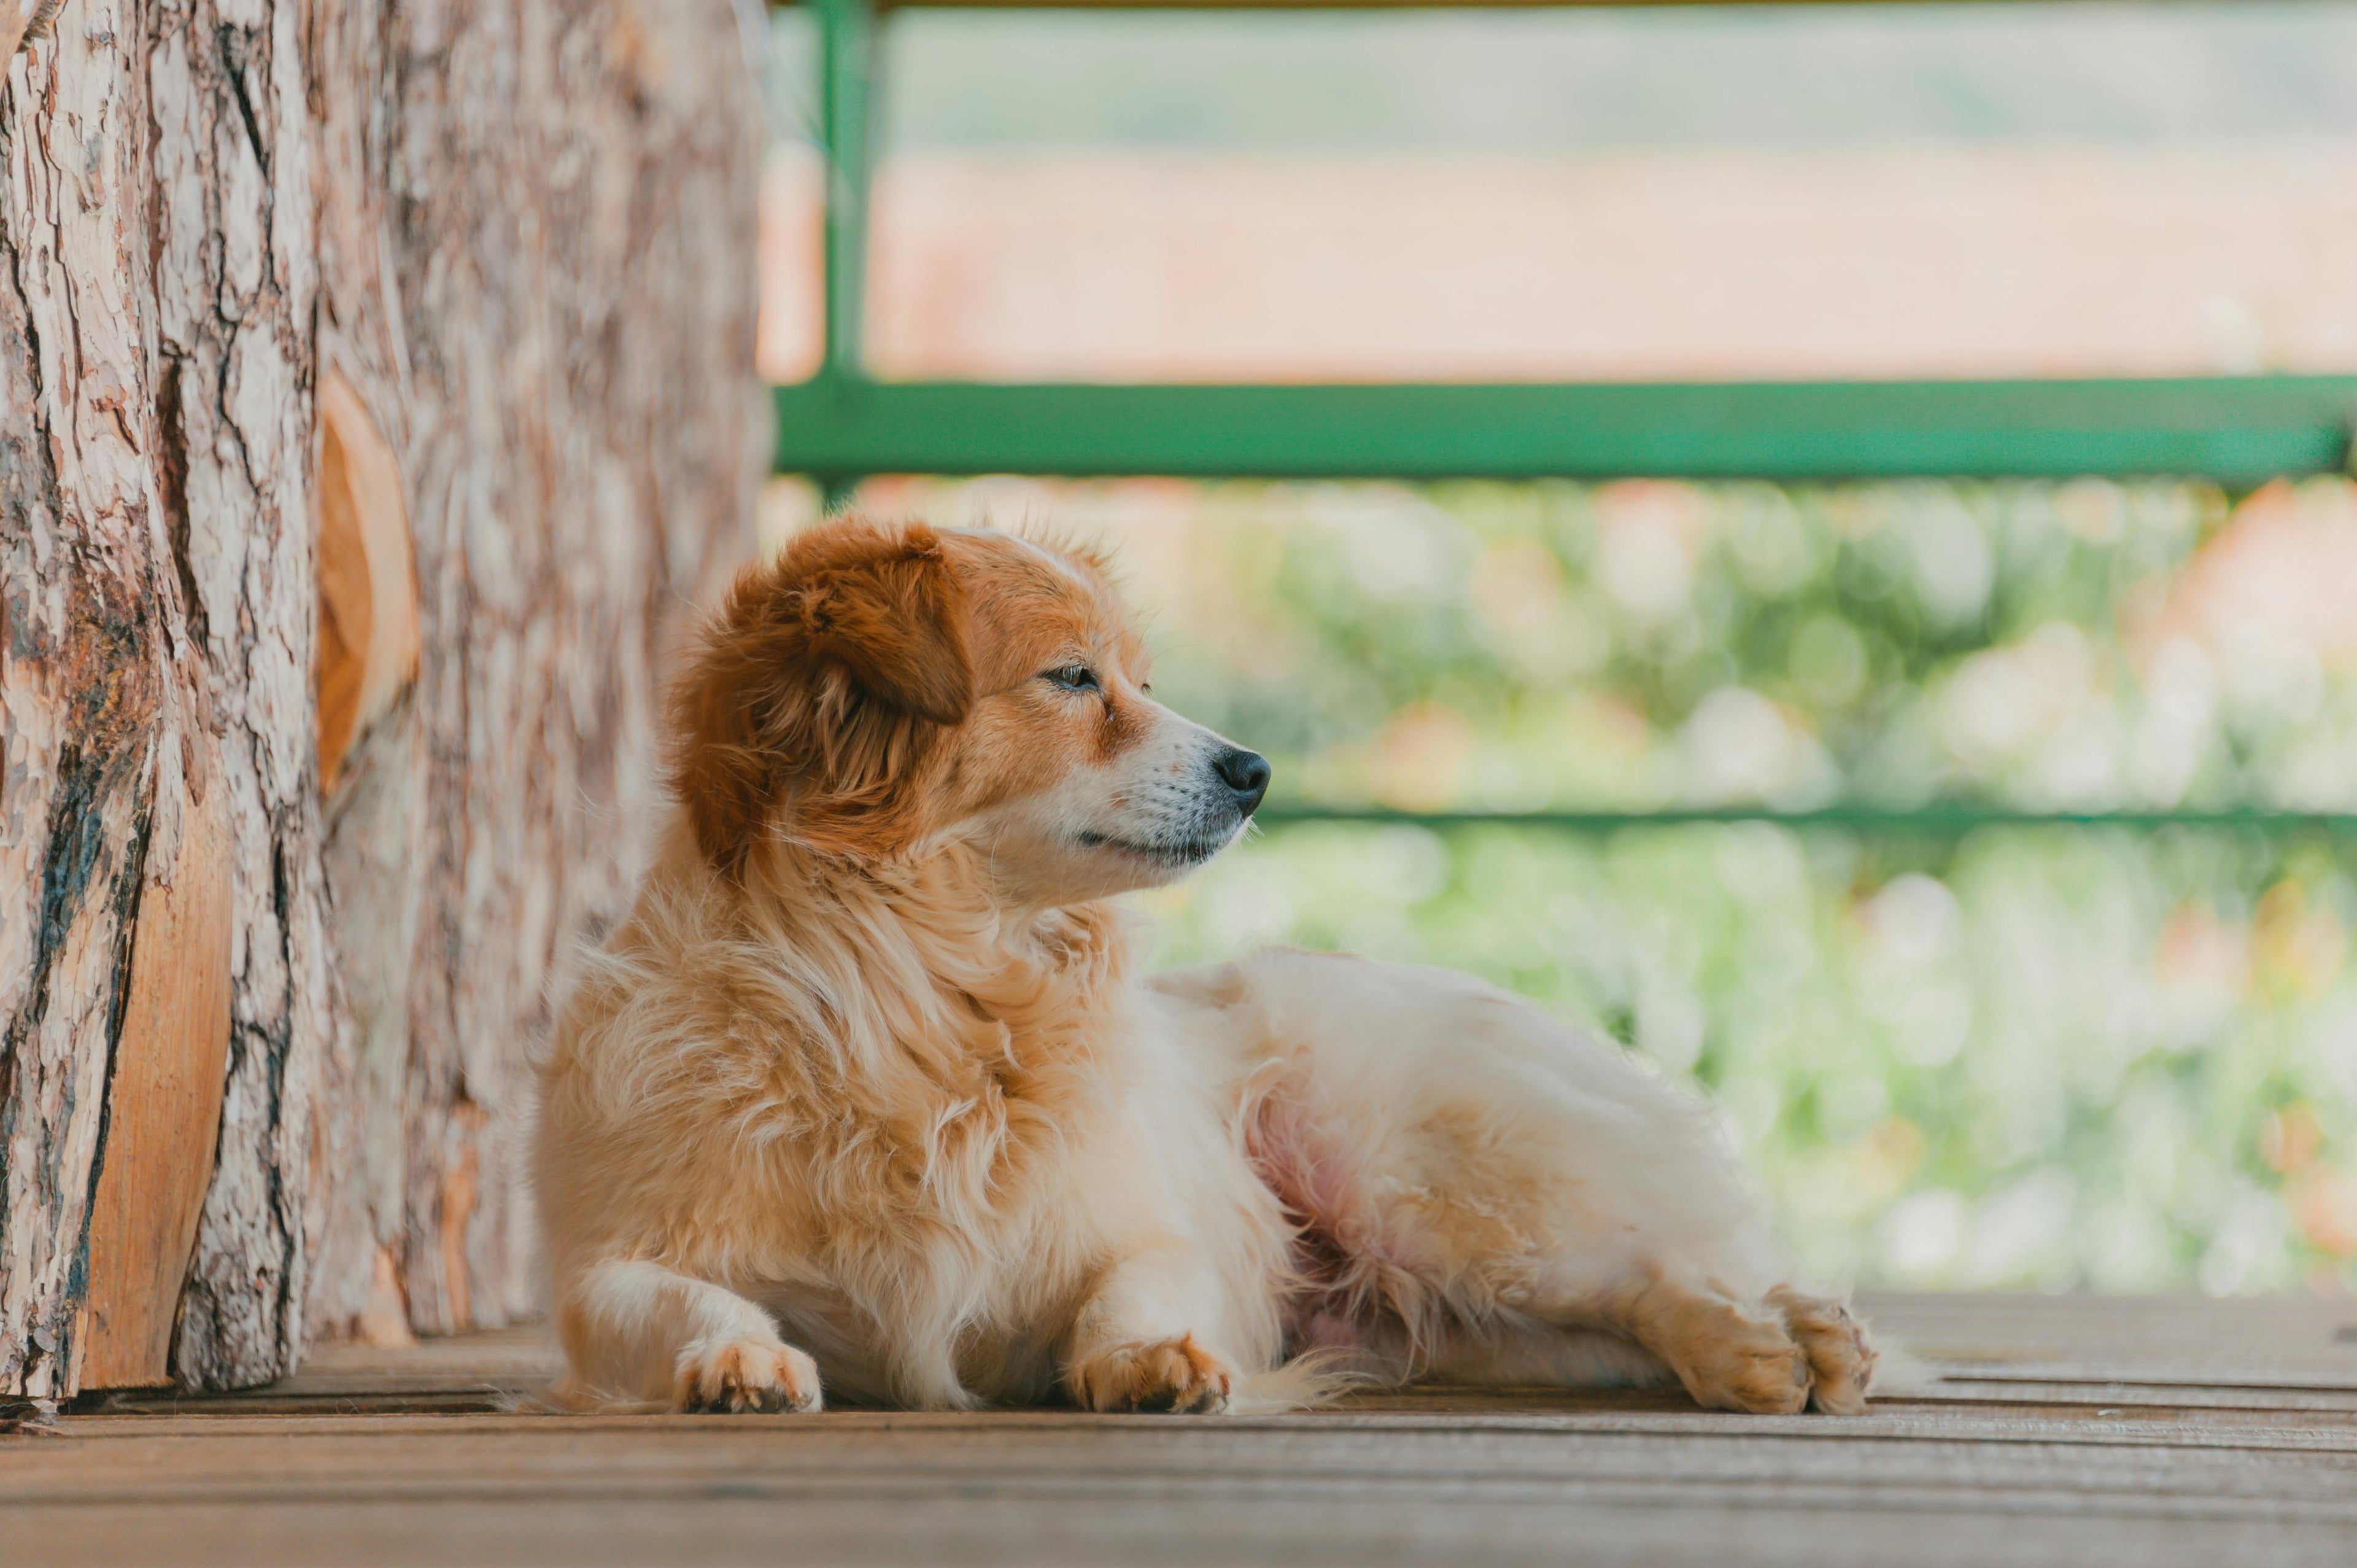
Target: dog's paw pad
745,1375
1170,1375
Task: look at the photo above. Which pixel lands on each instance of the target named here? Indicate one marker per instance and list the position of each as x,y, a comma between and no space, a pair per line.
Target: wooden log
96,688
404,350
231,162
554,338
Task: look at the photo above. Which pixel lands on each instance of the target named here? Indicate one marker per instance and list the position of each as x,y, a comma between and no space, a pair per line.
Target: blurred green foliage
2035,1056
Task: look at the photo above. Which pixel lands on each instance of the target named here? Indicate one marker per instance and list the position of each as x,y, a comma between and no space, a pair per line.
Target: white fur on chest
974,1303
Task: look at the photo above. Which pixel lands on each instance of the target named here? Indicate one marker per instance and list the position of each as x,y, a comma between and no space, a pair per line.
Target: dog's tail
569,1396
1899,1373
1306,1382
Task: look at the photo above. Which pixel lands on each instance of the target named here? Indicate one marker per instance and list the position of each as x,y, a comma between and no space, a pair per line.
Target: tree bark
108,737
537,258
511,240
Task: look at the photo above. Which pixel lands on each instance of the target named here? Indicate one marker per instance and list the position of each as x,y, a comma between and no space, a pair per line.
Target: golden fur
865,1093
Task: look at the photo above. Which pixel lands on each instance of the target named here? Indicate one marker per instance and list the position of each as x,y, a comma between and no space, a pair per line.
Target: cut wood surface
367,649
164,1106
2043,1429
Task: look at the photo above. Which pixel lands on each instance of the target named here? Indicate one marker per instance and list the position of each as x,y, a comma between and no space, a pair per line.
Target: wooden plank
2286,1352
845,1435
2295,1476
163,1098
2266,1342
509,1360
984,1530
2169,1340
1987,1466
1082,1488
2320,1404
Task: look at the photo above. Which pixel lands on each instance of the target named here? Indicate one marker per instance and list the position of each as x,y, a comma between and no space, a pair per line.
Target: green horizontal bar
1942,821
2239,431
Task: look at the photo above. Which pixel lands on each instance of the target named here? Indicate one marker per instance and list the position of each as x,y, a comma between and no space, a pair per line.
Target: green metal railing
844,424
2239,432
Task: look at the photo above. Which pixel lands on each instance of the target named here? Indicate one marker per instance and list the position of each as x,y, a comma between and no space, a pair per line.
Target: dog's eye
1074,678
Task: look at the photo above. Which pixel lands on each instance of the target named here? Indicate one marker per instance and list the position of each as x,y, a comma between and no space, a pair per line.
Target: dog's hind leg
1473,1170
638,1332
1778,1353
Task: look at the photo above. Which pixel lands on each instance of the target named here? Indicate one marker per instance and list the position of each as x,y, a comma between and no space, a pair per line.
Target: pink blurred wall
1727,265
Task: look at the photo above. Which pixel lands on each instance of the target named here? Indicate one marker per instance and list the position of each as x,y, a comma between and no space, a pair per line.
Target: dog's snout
1246,773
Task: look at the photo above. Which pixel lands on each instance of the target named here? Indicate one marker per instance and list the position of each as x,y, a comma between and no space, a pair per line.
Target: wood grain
381,1455
163,1108
367,649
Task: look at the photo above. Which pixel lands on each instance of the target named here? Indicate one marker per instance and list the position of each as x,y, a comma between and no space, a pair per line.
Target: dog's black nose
1245,772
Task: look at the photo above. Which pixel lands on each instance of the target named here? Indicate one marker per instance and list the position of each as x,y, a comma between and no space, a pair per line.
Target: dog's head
876,688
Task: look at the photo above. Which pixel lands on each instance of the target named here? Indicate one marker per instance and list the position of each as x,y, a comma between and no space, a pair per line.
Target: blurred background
1959,1051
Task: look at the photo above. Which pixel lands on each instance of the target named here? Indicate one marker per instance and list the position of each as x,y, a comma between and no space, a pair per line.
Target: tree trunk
375,385
554,330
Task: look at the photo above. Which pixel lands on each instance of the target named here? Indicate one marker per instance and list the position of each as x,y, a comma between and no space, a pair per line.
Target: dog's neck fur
919,962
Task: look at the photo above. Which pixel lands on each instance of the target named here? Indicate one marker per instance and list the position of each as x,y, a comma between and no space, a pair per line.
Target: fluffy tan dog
864,1092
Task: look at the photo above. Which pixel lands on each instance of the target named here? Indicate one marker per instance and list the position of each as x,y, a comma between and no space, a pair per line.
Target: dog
864,1096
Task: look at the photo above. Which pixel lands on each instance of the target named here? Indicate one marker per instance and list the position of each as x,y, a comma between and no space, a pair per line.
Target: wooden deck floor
2062,1430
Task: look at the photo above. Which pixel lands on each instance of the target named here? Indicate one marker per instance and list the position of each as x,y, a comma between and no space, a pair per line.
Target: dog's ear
818,696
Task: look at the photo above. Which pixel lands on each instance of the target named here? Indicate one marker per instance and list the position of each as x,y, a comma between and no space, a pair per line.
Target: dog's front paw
1841,1357
733,1375
1168,1375
1730,1360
